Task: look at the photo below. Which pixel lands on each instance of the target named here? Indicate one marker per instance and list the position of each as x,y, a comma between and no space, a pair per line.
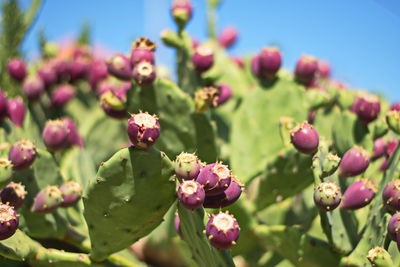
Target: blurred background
360,38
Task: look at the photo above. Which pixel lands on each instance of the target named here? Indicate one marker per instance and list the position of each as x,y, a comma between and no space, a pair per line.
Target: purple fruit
393,226
270,60
187,166
224,94
255,66
22,154
228,37
142,50
191,194
203,58
3,105
327,196
14,195
80,68
391,195
144,73
379,148
215,178
62,68
324,69
391,147
367,108
143,130
73,137
47,200
48,75
395,106
238,61
62,95
222,230
113,102
177,223
55,135
17,69
359,194
306,68
33,87
182,11
227,198
119,66
97,73
354,162
305,138
8,221
16,111
71,193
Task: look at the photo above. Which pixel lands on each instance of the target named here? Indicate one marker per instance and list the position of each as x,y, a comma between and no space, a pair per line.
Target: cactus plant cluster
110,162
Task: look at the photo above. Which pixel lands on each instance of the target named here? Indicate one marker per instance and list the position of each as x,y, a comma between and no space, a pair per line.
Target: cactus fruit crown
110,99
117,61
19,189
185,157
205,98
145,69
334,157
204,50
270,49
57,123
330,189
74,186
299,127
144,119
368,97
6,213
364,153
369,185
223,221
375,253
189,187
308,59
53,191
25,144
144,43
222,171
5,163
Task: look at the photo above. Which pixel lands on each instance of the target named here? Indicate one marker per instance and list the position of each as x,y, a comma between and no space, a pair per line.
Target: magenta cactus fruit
119,66
367,108
305,138
143,130
395,106
80,68
255,66
13,194
47,200
391,195
222,230
142,50
8,221
203,58
215,178
33,87
327,196
55,135
16,111
227,198
358,195
270,60
182,12
97,72
224,94
324,69
228,37
47,74
17,69
22,154
71,193
3,105
379,148
354,162
187,166
113,102
191,194
73,137
306,68
144,73
393,226
177,224
238,61
62,95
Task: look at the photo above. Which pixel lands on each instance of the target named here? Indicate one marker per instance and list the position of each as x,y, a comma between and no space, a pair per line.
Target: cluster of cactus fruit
86,143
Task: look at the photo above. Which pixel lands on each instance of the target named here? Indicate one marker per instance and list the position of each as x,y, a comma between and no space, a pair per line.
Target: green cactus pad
18,247
128,199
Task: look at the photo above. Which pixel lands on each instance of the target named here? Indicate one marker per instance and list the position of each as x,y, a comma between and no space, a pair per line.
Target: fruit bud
354,162
119,66
327,196
305,138
142,50
227,198
143,130
391,195
113,102
187,166
17,69
269,62
55,135
203,58
222,230
16,111
228,37
33,87
358,195
324,69
144,73
47,200
8,221
62,95
191,194
393,120
22,154
306,67
13,194
71,193
367,108
3,106
215,178
182,12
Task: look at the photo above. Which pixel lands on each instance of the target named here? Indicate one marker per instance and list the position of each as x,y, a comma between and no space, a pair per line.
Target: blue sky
361,38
